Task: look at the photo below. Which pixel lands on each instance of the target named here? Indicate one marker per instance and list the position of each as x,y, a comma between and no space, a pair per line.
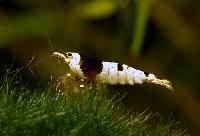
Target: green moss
47,111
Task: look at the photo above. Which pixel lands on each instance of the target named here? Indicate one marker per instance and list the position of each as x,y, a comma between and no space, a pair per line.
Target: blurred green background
158,36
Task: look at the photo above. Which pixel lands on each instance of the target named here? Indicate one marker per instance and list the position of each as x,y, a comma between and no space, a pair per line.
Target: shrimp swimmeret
107,72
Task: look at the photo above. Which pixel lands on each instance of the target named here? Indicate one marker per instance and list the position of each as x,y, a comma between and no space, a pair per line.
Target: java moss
49,110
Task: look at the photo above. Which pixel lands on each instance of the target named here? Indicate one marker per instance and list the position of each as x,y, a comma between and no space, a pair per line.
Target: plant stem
142,15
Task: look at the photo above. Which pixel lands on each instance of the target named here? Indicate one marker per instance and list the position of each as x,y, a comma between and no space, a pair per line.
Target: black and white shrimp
107,72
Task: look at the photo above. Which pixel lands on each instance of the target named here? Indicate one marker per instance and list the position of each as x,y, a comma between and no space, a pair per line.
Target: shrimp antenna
50,43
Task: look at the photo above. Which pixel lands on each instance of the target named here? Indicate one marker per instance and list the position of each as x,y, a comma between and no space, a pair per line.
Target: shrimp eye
69,54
